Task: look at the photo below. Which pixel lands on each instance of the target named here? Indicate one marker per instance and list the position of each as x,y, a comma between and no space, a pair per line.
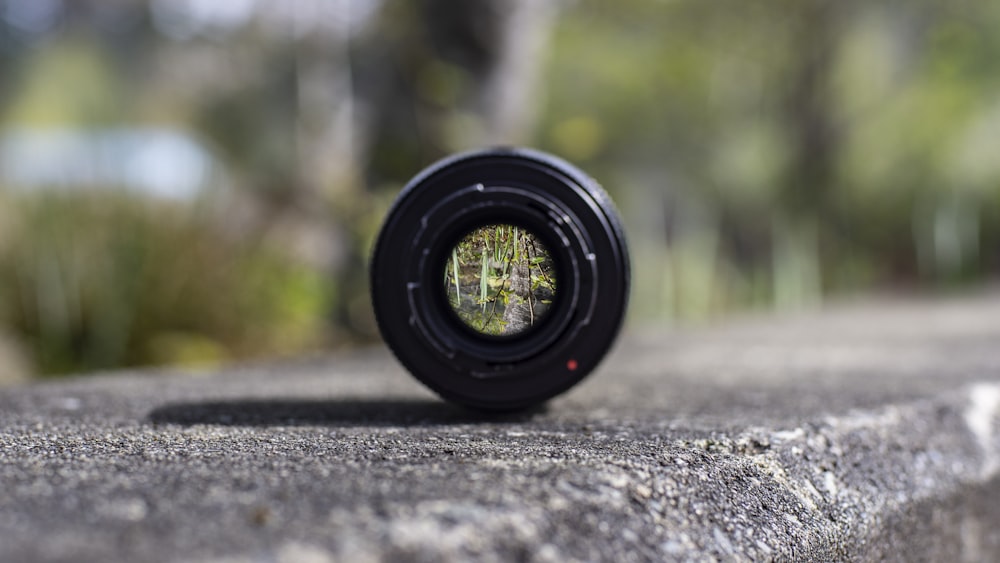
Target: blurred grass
104,279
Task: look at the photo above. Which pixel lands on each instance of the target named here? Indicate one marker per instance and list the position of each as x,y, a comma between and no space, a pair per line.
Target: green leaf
483,281
454,266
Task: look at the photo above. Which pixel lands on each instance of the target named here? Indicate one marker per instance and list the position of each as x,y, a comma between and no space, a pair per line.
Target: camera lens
500,277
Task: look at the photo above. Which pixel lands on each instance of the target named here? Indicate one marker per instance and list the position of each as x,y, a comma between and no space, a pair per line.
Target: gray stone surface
868,432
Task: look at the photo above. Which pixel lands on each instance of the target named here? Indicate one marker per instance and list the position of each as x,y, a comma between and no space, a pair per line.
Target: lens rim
569,213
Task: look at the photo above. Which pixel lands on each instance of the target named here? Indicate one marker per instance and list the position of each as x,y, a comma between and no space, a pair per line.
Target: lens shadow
335,413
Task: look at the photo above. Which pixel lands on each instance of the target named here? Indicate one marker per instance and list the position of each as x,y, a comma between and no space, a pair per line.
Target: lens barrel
581,281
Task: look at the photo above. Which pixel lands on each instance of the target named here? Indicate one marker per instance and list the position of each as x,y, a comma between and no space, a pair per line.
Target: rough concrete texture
869,432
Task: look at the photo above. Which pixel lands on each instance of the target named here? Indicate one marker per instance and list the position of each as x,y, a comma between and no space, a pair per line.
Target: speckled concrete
869,432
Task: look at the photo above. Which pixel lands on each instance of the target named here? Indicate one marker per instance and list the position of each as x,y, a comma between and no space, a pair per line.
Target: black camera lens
500,277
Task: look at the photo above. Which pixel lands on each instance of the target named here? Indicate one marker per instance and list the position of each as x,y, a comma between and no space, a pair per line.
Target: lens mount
548,203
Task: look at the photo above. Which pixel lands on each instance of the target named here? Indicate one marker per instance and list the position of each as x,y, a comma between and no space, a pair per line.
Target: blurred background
199,181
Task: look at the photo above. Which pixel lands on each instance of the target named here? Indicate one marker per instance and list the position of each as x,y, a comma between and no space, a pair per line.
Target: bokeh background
199,181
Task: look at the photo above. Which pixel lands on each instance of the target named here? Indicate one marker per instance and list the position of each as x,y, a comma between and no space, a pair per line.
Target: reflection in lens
500,280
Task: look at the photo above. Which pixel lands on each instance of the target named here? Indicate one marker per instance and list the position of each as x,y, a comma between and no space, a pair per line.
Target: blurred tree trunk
809,112
457,75
807,216
328,145
511,91
328,139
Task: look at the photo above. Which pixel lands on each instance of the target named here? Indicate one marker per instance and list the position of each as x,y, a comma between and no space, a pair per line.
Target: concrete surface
870,432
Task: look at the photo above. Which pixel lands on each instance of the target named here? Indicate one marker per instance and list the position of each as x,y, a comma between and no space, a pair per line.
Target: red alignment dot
571,365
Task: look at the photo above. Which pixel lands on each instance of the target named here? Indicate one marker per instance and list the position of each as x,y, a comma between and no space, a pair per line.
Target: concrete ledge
869,432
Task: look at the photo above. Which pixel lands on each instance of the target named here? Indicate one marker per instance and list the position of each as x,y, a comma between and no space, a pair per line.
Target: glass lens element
500,280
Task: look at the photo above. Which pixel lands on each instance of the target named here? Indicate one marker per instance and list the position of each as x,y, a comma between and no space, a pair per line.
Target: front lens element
500,280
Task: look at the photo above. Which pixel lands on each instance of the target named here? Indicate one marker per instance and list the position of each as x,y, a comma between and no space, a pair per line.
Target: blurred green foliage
772,153
102,280
764,154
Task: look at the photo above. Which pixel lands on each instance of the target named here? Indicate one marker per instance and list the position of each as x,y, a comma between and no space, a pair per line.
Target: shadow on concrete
340,412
